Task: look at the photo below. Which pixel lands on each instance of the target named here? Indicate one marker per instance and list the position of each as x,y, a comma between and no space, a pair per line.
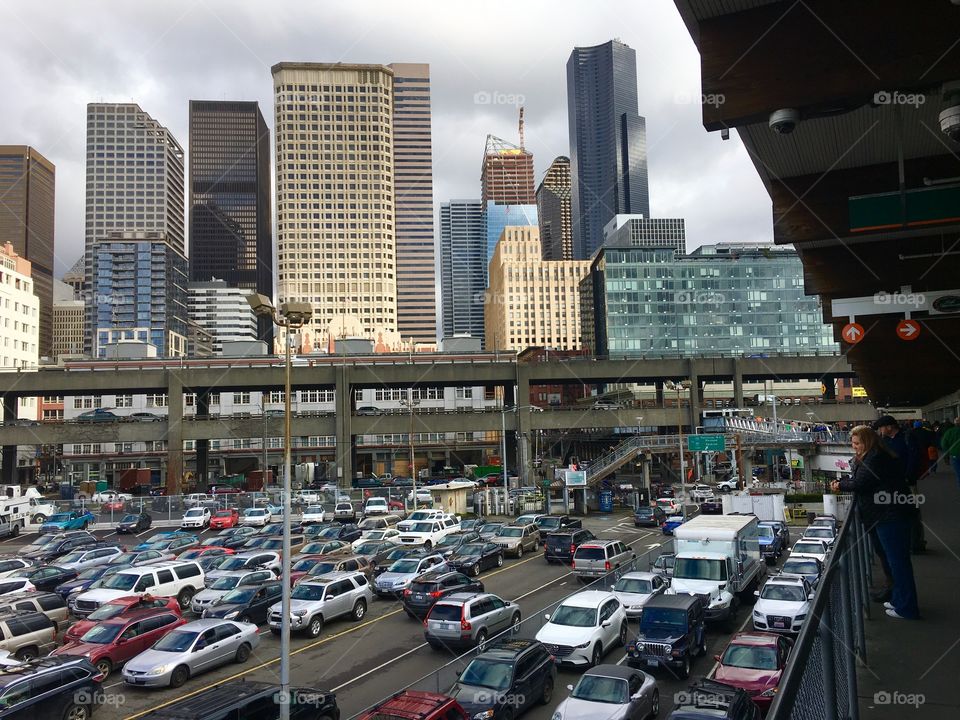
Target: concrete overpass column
696,399
510,401
737,384
658,387
203,445
344,411
8,455
174,433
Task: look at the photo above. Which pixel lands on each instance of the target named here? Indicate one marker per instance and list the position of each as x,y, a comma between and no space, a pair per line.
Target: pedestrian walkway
913,667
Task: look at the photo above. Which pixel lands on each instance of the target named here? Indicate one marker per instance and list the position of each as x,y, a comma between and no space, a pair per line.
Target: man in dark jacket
897,443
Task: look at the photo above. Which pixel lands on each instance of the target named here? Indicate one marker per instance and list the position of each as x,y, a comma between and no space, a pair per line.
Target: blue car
158,537
85,579
671,524
72,520
771,542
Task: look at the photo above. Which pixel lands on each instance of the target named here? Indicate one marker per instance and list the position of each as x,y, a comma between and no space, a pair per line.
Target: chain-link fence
821,678
444,677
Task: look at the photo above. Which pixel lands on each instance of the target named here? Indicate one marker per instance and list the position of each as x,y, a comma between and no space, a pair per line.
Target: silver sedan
190,650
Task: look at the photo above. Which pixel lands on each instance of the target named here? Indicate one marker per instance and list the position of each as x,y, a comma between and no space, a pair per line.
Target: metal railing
820,681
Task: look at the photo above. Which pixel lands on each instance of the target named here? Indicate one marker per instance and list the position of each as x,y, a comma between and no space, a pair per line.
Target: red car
395,504
223,519
417,705
109,644
755,662
120,608
113,506
205,551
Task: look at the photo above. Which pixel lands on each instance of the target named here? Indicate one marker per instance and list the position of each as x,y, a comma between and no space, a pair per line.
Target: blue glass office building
140,293
720,299
500,216
608,141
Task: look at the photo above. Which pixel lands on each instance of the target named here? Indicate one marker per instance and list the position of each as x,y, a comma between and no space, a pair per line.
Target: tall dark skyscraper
230,225
553,211
608,141
26,222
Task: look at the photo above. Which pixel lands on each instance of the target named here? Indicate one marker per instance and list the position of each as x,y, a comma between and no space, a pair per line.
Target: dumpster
606,501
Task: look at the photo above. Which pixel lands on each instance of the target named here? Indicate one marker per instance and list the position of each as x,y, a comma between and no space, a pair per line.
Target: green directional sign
702,443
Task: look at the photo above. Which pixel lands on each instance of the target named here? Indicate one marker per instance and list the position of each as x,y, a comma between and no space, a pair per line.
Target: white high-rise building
135,183
336,245
19,312
223,311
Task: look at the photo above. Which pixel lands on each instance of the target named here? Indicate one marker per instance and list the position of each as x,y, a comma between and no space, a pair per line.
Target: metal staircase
752,433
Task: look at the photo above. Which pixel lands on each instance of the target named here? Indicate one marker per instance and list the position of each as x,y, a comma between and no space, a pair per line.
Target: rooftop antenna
521,128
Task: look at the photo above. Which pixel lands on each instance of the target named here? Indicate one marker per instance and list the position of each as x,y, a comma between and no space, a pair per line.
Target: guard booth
451,496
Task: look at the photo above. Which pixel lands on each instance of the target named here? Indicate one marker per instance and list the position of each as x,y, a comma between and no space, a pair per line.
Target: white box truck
718,558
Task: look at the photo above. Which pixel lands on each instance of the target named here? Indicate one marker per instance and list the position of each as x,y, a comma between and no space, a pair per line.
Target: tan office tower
531,302
413,208
26,222
335,198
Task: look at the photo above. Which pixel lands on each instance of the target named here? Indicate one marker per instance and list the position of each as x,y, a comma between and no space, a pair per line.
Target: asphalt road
366,661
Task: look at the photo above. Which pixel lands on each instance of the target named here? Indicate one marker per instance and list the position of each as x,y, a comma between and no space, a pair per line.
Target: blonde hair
868,437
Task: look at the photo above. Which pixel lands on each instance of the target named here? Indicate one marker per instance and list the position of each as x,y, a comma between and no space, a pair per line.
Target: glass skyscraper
140,284
231,237
463,267
608,141
500,216
721,299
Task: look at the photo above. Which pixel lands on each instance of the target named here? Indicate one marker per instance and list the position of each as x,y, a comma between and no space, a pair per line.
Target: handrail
834,629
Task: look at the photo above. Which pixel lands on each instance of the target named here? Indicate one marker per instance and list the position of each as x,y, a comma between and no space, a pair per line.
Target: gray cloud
58,56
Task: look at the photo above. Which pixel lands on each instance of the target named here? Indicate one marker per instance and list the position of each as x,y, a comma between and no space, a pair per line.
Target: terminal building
729,299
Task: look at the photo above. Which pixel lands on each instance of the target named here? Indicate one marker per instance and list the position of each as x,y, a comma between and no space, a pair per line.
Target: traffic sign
852,333
908,330
703,443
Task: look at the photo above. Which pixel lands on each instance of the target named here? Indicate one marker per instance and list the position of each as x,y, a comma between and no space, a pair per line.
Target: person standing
878,483
950,444
897,443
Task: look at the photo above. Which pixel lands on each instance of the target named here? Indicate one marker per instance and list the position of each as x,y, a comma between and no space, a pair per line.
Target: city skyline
684,161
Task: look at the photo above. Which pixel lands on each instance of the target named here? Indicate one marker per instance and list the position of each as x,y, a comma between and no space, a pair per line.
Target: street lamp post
292,316
679,387
413,465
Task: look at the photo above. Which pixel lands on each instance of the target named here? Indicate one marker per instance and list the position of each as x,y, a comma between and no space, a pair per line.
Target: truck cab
718,559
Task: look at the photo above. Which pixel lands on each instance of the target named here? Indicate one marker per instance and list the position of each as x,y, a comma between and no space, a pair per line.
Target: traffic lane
346,650
669,685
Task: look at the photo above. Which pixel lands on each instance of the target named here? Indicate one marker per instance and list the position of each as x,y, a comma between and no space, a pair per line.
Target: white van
180,579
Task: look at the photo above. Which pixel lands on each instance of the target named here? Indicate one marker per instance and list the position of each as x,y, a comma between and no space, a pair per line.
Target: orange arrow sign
852,333
908,329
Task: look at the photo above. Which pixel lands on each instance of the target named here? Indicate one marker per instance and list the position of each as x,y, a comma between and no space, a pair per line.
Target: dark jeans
878,551
895,538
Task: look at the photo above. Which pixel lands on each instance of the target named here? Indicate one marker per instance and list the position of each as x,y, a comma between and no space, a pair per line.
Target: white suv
419,516
322,599
782,605
584,627
430,532
180,579
196,517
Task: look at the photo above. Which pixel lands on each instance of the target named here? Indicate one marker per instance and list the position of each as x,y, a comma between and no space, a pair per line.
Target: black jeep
671,634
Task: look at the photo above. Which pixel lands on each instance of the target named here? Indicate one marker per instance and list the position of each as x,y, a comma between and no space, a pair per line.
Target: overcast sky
58,55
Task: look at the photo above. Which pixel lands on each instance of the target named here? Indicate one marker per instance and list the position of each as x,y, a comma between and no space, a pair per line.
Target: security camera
950,122
785,120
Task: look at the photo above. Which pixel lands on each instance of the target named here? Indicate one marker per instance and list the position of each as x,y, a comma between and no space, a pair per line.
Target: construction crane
521,128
